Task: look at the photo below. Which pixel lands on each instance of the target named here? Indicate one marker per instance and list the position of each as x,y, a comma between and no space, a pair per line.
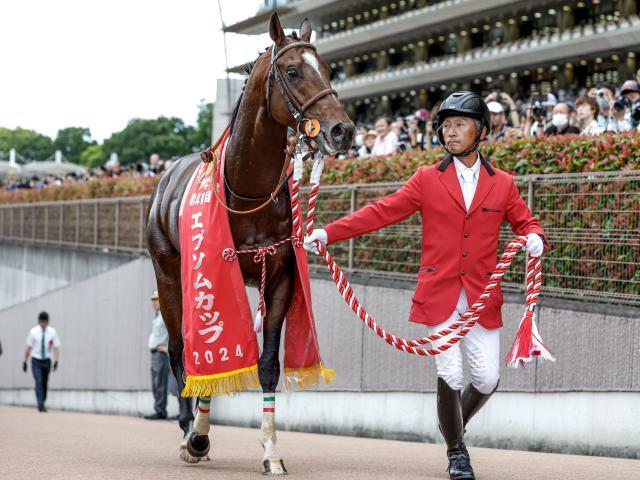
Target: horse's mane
247,68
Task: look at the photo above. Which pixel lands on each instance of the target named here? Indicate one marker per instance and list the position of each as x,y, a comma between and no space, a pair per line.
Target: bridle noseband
294,106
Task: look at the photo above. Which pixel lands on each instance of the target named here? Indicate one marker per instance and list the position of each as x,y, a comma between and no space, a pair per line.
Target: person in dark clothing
560,121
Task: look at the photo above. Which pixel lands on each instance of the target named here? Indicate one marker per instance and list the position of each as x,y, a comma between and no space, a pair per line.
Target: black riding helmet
464,104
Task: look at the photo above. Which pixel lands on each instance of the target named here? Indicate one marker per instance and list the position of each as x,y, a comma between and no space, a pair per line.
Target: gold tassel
222,383
307,377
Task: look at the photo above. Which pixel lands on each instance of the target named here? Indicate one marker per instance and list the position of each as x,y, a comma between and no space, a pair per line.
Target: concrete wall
104,321
28,271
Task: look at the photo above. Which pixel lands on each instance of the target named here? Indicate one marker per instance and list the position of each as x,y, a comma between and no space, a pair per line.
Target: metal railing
592,222
114,224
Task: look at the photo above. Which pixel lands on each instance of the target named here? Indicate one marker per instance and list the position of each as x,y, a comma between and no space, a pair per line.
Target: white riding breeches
482,349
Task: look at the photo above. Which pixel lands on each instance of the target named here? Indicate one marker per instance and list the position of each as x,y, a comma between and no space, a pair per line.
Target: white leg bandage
268,431
201,424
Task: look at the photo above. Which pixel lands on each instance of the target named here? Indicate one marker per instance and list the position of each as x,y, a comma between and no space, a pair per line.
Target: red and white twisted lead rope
527,344
260,256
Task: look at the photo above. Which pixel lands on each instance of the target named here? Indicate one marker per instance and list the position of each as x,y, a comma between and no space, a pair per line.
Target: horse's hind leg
277,301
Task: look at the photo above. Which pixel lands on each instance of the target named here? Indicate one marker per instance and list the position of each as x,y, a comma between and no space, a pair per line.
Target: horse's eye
292,73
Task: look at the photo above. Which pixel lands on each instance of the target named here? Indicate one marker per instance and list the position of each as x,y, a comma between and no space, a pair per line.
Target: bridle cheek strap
297,110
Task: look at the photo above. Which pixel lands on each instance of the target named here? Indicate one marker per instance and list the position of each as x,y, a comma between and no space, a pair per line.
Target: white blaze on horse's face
311,60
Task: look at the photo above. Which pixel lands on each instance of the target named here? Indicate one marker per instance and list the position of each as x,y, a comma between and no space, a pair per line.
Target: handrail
587,215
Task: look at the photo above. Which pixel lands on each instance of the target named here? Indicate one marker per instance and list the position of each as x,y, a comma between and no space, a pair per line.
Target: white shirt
468,188
468,191
159,334
385,145
34,340
592,129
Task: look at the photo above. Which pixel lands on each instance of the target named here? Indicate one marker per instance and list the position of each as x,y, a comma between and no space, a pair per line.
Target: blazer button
466,235
462,274
464,254
468,217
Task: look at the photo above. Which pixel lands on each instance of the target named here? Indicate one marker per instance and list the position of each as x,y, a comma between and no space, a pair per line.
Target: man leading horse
462,200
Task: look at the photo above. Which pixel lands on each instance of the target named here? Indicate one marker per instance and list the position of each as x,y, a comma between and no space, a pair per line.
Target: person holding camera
417,130
612,117
537,114
630,91
511,117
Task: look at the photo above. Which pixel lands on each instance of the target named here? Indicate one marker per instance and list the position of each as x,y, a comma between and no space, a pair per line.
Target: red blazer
459,248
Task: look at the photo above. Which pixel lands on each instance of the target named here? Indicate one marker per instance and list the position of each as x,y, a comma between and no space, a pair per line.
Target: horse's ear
305,30
275,30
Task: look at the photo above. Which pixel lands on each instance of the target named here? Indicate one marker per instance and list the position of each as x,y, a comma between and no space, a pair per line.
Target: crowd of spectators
604,108
111,169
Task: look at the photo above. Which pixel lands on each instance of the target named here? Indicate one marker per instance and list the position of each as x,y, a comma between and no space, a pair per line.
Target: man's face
633,96
43,323
155,303
459,134
382,127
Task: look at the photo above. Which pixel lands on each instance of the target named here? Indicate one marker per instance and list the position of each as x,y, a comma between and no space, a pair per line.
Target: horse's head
299,89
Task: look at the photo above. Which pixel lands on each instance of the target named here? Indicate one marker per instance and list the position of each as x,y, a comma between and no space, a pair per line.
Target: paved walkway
69,446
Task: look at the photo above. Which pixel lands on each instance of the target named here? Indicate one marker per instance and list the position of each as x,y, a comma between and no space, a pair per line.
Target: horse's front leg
277,301
196,443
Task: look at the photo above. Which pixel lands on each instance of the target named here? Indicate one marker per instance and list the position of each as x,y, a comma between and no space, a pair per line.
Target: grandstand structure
399,55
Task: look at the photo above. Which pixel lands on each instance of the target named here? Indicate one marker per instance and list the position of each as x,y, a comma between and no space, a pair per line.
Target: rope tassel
528,344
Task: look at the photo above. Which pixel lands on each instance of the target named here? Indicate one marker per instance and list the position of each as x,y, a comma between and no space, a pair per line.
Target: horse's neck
255,154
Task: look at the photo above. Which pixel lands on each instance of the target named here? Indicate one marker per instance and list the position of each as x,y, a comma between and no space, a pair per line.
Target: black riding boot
472,401
451,426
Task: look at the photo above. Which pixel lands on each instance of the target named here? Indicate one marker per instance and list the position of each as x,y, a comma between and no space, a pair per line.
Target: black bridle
296,109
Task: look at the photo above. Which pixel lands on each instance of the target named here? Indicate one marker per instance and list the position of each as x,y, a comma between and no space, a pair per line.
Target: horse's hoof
186,457
198,445
273,466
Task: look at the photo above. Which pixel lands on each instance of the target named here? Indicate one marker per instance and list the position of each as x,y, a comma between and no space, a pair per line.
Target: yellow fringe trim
222,383
307,377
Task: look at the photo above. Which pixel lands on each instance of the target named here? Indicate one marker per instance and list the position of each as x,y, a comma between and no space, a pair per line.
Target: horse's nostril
337,132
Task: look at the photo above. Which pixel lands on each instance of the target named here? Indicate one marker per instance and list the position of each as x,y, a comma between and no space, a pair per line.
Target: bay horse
288,84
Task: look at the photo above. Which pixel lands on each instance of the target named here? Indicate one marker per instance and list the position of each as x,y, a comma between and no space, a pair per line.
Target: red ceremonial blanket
220,345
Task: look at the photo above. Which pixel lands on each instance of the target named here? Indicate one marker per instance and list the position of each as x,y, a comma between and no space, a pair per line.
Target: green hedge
568,154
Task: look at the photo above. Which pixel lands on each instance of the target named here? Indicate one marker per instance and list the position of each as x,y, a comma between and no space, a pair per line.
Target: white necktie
467,186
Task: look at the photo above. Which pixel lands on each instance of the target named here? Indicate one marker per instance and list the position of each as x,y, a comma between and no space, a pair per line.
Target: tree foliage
28,143
169,137
166,136
72,141
92,156
201,137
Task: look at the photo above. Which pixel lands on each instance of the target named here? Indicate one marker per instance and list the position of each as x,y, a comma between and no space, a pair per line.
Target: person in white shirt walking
42,343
